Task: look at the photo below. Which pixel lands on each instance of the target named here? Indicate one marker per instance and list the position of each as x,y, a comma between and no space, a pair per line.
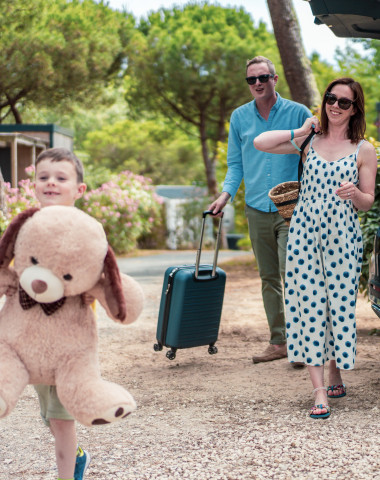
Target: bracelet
291,135
295,145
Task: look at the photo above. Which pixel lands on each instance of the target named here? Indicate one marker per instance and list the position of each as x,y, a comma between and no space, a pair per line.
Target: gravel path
213,417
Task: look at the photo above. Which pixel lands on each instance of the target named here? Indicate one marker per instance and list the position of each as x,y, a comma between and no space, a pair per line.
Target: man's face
260,90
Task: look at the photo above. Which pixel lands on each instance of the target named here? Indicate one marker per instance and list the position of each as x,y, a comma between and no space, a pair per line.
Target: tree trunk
297,68
212,184
16,113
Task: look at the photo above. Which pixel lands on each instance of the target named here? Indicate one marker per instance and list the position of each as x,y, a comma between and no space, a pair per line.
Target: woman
324,251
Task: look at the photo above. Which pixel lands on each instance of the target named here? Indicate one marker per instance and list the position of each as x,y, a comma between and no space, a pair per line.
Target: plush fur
61,252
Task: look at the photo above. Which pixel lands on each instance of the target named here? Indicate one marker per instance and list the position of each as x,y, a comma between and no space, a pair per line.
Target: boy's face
57,184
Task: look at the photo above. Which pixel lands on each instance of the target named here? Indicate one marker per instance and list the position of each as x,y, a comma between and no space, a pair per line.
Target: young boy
59,181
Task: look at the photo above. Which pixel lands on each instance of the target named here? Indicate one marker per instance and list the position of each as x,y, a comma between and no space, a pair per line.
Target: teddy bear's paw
3,407
115,414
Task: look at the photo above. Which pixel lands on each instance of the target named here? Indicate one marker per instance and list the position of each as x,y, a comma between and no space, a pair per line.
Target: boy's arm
8,281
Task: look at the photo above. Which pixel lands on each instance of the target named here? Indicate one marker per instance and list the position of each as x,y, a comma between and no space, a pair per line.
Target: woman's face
335,113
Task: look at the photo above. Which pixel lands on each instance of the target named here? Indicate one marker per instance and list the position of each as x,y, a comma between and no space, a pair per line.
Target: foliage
79,118
365,69
187,232
94,176
370,222
149,147
69,50
126,206
17,200
189,65
324,72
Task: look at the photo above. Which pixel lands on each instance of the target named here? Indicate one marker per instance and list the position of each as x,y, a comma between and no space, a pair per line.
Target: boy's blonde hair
60,154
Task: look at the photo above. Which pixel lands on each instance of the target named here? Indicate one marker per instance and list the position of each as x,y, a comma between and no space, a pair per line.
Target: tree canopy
189,64
150,147
364,69
58,51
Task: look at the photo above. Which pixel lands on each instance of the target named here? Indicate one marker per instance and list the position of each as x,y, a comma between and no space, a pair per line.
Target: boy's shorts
50,405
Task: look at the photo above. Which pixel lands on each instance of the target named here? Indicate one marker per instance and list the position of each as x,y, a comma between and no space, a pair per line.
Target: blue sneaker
81,464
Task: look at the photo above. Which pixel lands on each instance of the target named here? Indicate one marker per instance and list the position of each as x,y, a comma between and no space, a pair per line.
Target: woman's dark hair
357,124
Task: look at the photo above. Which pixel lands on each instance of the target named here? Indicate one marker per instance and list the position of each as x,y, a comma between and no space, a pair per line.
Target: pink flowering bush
16,200
126,206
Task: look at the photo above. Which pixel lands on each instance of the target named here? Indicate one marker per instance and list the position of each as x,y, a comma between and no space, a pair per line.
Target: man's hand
218,204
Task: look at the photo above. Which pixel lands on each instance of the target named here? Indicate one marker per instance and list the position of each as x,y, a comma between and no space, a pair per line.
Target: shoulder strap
300,164
359,145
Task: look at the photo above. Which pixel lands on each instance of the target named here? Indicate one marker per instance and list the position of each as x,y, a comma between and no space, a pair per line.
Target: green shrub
370,222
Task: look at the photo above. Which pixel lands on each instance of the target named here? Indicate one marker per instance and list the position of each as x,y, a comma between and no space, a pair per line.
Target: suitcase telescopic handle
217,242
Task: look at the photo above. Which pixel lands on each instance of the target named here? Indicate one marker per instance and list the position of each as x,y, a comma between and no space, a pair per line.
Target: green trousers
269,234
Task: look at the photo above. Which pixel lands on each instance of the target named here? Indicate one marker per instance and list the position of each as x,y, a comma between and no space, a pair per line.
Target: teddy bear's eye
34,260
67,276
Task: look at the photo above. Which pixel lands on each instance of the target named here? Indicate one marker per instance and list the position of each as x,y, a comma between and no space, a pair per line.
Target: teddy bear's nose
39,286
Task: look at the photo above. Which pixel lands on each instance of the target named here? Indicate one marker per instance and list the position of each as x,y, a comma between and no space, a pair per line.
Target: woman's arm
363,195
279,141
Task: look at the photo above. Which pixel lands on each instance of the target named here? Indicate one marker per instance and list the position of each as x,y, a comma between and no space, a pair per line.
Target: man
262,171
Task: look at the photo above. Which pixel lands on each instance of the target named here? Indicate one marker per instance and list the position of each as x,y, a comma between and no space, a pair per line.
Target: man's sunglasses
260,78
343,103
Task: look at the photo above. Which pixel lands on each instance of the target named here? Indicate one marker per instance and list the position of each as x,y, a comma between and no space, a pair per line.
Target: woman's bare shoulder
367,155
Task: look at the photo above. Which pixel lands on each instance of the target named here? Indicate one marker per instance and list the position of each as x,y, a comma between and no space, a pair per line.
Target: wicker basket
285,197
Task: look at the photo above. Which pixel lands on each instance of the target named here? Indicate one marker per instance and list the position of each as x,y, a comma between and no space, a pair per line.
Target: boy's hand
87,298
10,291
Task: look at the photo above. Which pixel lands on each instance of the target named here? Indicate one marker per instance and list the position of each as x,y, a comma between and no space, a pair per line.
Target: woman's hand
347,191
310,123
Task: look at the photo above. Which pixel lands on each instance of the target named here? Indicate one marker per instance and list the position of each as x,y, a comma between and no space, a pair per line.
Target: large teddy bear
48,335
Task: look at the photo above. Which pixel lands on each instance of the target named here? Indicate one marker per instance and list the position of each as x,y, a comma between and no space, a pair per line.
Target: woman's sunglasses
343,103
261,78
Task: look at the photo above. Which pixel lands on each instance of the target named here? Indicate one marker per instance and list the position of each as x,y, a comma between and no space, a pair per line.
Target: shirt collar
275,107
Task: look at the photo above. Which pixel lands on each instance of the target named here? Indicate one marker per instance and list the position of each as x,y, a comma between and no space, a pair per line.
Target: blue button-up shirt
261,171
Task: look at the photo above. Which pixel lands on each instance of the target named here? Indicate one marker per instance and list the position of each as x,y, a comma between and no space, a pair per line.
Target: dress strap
359,145
311,140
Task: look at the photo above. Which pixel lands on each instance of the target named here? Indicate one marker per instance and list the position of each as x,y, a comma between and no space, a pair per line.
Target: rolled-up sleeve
234,159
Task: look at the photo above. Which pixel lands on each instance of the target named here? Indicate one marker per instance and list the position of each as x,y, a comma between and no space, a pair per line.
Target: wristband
295,145
291,135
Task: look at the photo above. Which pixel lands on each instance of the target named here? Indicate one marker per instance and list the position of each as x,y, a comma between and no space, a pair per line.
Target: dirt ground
214,416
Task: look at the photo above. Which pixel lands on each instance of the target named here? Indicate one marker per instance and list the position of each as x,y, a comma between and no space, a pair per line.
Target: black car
374,276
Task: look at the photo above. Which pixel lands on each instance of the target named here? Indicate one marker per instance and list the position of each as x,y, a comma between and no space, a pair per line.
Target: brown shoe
272,352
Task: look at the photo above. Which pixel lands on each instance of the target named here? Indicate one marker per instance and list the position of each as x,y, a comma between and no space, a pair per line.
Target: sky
315,38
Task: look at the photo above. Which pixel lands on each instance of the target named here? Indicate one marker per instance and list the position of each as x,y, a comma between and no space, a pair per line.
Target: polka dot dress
323,266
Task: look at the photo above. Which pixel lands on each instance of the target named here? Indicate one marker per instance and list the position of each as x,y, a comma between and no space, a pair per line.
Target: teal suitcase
191,303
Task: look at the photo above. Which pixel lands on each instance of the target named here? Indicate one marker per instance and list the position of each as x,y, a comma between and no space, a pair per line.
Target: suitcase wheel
157,347
212,349
170,354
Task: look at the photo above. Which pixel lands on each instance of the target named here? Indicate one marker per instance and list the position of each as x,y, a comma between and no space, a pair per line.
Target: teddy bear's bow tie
26,302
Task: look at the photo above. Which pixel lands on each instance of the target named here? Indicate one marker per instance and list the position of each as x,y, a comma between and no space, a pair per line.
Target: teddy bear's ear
8,240
113,286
